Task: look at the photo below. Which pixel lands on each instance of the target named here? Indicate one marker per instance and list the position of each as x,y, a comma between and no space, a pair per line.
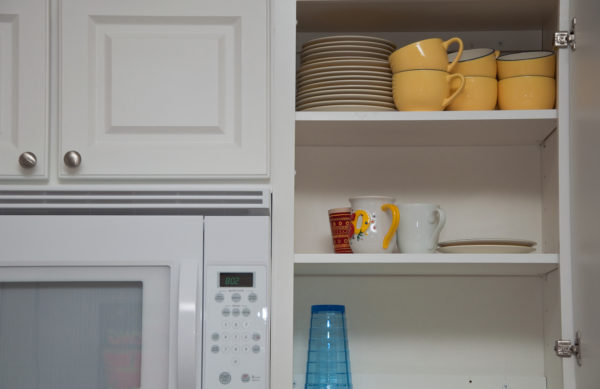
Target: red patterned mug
340,221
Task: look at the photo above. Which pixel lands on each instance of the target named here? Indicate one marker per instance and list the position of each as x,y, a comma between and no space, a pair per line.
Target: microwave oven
134,288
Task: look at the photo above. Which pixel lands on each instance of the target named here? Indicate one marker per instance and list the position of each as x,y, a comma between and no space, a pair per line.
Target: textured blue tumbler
328,365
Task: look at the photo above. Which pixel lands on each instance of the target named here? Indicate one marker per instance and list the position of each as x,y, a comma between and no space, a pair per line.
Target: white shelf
366,15
425,264
443,128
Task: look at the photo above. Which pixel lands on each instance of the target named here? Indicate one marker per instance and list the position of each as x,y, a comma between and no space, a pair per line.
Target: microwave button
215,336
219,297
214,349
256,336
236,297
235,349
246,312
246,324
236,324
226,336
225,312
224,378
236,336
235,312
245,377
252,297
246,348
256,349
225,324
246,336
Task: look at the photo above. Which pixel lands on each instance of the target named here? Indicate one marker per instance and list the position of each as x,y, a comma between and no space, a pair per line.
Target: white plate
348,107
339,62
350,96
488,241
351,78
486,249
350,55
327,45
341,70
345,102
344,91
346,46
337,84
349,38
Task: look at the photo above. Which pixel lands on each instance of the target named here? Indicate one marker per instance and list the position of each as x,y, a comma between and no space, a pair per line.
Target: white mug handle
440,224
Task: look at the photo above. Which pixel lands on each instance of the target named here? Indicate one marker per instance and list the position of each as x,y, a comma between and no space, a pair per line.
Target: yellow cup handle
395,221
460,50
364,226
460,88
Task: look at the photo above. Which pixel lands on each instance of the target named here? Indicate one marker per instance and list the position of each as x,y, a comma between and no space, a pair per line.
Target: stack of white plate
345,73
487,246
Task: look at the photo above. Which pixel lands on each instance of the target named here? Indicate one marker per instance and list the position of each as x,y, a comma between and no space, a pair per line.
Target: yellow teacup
530,63
475,62
426,54
479,93
527,92
424,90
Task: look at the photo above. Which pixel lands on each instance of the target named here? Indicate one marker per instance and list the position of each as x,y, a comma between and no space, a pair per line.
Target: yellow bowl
479,93
475,62
529,63
431,54
527,92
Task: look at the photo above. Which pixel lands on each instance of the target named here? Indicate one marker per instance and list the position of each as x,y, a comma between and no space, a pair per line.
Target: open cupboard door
582,265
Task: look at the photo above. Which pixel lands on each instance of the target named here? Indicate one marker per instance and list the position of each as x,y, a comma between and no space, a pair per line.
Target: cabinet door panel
585,194
23,86
155,89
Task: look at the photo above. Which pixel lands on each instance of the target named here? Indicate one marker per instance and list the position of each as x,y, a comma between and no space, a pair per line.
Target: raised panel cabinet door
165,89
24,37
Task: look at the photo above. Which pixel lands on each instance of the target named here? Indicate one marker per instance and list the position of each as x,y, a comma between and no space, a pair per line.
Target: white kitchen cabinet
455,321
164,89
24,89
143,89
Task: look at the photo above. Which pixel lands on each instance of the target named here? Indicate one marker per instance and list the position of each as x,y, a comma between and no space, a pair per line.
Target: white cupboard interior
434,320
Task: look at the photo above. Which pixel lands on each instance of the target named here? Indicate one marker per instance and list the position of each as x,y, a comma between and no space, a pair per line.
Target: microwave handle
186,325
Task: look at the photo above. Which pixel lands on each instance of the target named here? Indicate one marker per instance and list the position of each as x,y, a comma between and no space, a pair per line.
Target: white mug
375,221
419,228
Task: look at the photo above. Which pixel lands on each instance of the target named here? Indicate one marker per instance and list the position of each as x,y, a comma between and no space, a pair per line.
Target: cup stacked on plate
478,66
527,80
422,78
345,73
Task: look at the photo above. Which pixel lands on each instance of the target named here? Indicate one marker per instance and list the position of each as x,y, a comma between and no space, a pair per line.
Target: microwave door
84,327
99,301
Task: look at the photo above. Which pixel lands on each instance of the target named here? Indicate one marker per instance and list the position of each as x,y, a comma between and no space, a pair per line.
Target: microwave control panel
235,331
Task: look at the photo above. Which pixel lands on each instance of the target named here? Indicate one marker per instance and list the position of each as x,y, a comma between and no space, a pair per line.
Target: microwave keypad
235,340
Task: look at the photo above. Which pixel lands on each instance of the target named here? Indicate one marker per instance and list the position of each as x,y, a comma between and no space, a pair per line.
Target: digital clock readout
236,280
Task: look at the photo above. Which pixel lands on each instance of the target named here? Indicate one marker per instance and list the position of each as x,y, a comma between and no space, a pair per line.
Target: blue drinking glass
328,364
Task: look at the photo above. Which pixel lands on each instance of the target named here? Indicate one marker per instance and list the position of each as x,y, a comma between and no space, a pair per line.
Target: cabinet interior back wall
431,331
491,191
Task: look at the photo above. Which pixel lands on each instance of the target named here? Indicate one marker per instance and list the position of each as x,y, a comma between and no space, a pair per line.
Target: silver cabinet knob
72,159
27,160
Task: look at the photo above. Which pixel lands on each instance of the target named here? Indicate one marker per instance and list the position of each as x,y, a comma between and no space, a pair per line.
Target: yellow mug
479,93
527,92
476,62
424,90
426,54
529,63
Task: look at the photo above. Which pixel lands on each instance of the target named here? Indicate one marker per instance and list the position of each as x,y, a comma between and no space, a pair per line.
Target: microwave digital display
236,280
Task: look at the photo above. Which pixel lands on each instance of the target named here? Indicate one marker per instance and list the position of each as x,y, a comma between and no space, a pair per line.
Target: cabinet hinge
563,39
566,348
